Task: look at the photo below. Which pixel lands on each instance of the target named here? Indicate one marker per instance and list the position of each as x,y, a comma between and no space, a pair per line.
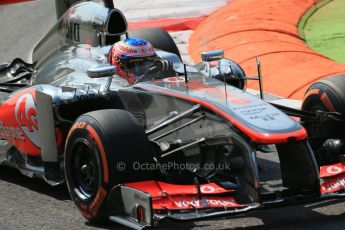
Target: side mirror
101,71
230,73
210,56
213,55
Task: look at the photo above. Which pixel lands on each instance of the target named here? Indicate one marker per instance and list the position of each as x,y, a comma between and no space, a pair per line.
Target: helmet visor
137,66
140,67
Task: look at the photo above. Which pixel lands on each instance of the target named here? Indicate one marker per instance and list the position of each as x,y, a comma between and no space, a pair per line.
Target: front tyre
101,149
326,137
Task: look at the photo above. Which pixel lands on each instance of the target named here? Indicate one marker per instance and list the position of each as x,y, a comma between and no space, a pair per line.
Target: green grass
323,28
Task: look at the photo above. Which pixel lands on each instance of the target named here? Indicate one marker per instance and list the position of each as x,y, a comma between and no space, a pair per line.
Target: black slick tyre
325,95
101,149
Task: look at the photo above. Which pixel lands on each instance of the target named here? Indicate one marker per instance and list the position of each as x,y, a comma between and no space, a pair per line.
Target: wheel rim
85,171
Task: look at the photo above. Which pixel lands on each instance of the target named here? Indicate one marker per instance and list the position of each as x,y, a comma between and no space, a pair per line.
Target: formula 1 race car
181,143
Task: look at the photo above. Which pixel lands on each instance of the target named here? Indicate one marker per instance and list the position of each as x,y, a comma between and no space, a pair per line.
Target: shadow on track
13,176
318,215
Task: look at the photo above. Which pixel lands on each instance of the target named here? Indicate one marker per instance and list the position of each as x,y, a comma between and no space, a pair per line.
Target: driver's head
132,58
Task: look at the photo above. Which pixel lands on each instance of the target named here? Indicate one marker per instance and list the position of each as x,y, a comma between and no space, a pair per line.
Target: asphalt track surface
31,204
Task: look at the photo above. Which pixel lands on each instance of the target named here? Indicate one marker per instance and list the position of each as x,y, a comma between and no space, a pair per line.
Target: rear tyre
101,149
160,39
326,95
